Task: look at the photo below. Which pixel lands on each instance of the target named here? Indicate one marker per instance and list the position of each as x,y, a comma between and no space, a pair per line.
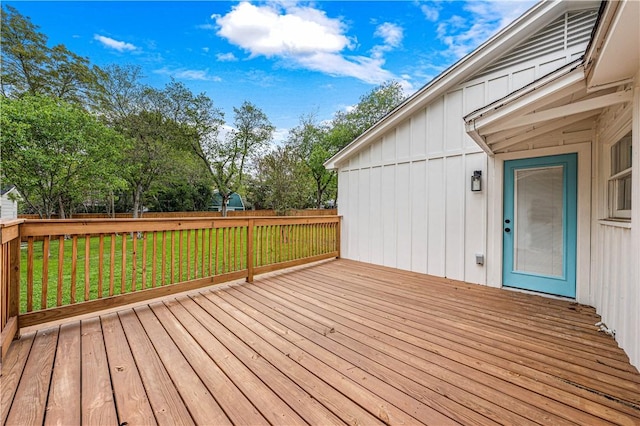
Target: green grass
273,245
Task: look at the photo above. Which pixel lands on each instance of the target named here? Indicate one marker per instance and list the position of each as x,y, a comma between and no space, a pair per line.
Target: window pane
621,154
539,233
624,193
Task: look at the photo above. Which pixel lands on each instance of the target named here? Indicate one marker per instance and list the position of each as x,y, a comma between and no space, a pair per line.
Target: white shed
544,115
9,203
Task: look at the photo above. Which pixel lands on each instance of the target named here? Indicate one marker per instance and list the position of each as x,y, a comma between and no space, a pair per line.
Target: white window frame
616,182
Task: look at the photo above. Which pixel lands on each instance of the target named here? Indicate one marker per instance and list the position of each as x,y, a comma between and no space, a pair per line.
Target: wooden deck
332,343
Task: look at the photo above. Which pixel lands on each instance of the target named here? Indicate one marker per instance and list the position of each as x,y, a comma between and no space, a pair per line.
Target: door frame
495,196
565,283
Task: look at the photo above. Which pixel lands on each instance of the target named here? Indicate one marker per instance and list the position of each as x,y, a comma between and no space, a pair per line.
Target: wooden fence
73,267
160,215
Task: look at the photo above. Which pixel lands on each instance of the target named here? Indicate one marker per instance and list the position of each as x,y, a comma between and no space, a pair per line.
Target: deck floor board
337,342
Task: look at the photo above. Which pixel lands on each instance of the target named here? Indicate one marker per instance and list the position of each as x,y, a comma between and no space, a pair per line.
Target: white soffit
618,57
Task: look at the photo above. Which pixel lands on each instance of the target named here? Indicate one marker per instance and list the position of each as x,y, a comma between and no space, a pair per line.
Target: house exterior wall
8,208
406,199
615,289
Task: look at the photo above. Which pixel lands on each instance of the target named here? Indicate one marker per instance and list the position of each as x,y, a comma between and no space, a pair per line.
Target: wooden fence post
250,251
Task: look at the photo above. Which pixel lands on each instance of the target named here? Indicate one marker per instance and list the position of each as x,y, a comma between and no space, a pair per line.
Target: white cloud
431,12
305,37
205,49
392,34
280,136
264,30
187,74
120,46
484,18
226,57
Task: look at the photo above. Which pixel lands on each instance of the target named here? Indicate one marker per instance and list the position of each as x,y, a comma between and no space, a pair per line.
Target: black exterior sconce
476,181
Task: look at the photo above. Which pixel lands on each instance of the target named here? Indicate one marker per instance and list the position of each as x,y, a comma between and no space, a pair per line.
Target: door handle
507,229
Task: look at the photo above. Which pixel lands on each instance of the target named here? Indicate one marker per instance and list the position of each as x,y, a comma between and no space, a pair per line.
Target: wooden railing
73,267
9,282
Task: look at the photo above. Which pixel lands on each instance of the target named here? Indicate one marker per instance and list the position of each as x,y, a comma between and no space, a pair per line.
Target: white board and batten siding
615,274
405,197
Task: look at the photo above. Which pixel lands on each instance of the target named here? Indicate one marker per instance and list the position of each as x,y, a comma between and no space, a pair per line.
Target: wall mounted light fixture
476,181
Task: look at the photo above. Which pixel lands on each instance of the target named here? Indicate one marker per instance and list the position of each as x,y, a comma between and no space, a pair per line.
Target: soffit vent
569,30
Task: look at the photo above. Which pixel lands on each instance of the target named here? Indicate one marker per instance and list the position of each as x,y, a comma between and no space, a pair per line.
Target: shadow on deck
335,342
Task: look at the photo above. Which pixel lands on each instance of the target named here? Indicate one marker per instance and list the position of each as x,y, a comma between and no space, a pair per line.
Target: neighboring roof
235,201
523,27
6,189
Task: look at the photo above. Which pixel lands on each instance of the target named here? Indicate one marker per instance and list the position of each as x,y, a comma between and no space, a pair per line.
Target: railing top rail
45,227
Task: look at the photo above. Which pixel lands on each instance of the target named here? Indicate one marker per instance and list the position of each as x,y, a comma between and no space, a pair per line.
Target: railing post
250,250
14,279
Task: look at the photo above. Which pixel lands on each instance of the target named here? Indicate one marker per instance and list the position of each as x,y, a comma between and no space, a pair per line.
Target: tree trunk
319,196
61,214
223,207
137,197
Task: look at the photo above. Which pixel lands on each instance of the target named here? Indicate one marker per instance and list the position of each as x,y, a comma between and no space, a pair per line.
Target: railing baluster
87,276
123,266
211,232
173,256
100,264
134,260
60,270
45,272
164,258
195,253
144,260
112,262
30,261
74,268
203,264
224,249
154,254
216,269
180,245
188,254
235,243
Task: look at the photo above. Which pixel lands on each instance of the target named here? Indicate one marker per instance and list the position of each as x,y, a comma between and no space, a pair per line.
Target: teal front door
539,224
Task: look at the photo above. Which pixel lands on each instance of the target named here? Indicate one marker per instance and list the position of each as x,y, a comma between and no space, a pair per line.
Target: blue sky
288,57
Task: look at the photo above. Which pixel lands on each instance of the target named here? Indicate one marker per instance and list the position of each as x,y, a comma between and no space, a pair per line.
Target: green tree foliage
228,158
315,143
56,154
282,181
313,146
165,127
30,67
372,107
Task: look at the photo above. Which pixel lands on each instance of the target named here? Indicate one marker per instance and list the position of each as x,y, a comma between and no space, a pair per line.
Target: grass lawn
276,245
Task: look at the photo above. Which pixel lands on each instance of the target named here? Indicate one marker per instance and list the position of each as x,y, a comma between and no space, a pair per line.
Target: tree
372,107
313,147
165,127
29,66
282,181
227,158
56,153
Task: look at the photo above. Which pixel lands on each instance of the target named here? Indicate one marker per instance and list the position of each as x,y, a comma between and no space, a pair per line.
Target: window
620,179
